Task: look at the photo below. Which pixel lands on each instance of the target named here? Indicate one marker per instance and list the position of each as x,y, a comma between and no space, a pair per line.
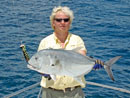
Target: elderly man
64,86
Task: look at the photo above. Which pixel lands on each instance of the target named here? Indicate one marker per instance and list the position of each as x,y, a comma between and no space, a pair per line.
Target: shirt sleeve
42,45
80,43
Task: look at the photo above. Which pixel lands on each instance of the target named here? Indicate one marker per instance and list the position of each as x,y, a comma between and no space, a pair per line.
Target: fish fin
109,72
53,77
108,65
112,61
78,79
77,49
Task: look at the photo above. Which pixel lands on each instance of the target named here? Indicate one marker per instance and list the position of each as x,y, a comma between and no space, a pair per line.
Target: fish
66,63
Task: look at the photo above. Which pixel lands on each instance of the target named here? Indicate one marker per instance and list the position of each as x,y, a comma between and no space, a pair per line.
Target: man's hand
98,64
46,76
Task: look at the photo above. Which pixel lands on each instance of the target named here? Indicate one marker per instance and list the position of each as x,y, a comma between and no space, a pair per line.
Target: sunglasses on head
60,19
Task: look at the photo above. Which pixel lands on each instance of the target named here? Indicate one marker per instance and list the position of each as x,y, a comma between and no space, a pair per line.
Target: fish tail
108,65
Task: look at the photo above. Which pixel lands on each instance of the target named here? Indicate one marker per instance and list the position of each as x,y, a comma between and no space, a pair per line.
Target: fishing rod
26,56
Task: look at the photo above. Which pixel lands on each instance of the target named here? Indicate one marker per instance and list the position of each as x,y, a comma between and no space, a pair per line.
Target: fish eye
36,58
52,65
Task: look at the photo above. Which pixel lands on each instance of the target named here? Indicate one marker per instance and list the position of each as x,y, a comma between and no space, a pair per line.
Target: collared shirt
72,42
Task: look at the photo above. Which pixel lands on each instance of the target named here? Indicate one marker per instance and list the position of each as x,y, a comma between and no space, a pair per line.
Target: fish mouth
34,68
31,66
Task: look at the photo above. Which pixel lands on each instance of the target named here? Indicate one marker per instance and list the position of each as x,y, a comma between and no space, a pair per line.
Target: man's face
61,22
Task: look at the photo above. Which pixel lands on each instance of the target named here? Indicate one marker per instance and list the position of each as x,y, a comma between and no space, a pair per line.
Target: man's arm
83,52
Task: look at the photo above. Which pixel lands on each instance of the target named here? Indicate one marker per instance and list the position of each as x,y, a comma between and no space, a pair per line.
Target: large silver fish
65,62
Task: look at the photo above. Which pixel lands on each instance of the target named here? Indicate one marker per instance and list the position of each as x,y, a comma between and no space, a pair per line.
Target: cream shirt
51,41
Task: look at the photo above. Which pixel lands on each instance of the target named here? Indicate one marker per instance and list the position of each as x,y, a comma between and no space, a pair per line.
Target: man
64,86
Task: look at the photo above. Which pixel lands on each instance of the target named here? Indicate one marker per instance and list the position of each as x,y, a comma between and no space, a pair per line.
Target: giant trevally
66,62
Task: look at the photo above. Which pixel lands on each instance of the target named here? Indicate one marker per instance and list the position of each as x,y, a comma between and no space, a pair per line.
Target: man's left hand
98,64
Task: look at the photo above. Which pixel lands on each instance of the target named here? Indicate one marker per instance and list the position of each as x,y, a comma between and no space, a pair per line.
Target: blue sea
104,26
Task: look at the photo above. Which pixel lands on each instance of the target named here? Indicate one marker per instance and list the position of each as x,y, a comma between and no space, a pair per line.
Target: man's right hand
46,76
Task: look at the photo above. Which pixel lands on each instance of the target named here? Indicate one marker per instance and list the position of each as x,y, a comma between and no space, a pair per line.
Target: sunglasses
60,19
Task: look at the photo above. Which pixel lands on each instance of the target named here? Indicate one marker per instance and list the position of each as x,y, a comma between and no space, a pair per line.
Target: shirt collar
57,40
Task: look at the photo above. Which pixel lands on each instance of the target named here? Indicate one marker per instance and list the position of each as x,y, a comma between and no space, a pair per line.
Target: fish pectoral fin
78,79
53,77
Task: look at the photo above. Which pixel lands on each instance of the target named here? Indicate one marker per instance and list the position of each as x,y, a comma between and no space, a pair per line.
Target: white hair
64,9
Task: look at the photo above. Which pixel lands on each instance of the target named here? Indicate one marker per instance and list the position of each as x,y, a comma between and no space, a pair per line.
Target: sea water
104,26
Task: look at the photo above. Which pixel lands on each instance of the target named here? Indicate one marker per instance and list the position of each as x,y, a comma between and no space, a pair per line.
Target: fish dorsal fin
77,49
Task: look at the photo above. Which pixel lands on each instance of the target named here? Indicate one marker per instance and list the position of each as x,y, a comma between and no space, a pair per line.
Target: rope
110,87
22,90
90,83
39,93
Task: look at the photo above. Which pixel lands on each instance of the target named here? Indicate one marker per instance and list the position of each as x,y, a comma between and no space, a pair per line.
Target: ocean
104,25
